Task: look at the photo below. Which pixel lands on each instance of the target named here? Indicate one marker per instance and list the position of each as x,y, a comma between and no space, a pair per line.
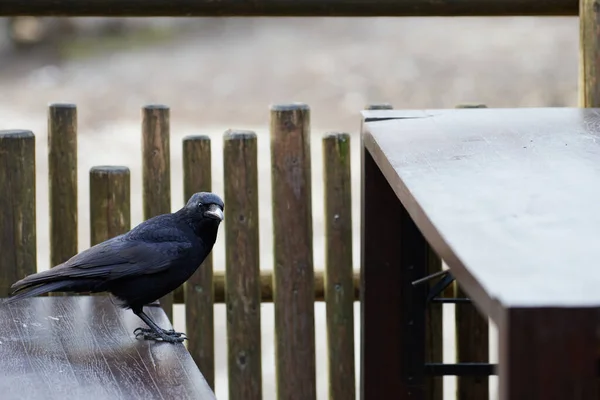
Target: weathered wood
472,345
339,285
544,231
548,353
543,157
393,254
434,334
266,287
240,166
284,8
62,182
471,337
471,105
156,171
589,54
199,294
379,106
17,204
82,347
293,273
110,202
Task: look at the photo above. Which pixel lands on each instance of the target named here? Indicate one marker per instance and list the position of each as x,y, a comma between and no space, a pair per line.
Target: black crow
140,266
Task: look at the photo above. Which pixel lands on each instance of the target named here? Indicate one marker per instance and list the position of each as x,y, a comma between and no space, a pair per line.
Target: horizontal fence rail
287,8
292,286
219,291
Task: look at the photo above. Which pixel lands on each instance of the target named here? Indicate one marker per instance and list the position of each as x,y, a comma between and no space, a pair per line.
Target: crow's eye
200,206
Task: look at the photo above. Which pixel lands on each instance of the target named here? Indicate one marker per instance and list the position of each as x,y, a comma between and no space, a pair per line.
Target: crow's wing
120,257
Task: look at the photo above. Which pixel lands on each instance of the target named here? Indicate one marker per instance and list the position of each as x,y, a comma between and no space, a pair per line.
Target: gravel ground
223,73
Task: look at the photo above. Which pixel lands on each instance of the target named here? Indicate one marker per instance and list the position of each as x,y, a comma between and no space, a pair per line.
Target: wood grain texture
82,347
293,274
472,337
393,254
589,54
274,8
240,166
110,202
471,105
537,177
17,207
548,353
379,106
62,181
434,333
199,294
266,287
156,171
339,285
472,345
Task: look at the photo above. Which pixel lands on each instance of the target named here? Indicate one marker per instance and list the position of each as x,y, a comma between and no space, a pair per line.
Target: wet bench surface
510,200
82,347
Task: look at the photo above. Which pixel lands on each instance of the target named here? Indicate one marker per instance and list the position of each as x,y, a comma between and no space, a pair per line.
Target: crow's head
205,207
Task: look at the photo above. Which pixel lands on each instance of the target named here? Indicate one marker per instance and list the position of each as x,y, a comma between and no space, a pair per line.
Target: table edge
489,306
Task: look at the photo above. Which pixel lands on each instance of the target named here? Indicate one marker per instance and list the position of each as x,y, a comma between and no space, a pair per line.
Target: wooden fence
293,286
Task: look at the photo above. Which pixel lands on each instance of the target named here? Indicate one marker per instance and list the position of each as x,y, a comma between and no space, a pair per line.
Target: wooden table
83,348
510,200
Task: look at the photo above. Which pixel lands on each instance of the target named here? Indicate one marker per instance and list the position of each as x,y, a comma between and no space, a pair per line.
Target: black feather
140,266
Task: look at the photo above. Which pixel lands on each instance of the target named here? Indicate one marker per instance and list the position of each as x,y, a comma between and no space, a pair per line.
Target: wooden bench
82,347
510,200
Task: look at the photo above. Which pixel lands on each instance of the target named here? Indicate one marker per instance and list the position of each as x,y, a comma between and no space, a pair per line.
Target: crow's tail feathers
26,291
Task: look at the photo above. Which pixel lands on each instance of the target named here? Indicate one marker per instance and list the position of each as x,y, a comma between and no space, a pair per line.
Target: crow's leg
155,332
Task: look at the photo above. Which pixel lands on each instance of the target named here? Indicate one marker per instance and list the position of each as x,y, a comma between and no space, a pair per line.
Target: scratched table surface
82,347
509,198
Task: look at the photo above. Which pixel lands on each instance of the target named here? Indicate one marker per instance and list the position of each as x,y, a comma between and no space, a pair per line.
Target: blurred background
221,73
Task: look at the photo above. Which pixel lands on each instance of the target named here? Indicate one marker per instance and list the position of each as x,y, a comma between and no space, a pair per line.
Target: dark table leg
394,253
548,354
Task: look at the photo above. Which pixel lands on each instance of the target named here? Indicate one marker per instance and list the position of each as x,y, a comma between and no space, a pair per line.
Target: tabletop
82,347
508,198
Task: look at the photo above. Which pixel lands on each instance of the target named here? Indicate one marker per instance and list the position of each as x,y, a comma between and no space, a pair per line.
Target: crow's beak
214,212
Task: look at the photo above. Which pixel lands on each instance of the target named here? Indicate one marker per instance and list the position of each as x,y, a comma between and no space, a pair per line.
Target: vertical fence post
62,169
110,204
589,54
472,337
242,277
17,202
339,279
156,171
434,332
198,290
293,273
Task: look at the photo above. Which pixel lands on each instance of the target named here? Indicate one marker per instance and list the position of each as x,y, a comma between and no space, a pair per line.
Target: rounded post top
471,105
62,105
16,134
289,107
341,136
109,169
379,106
196,138
151,107
238,134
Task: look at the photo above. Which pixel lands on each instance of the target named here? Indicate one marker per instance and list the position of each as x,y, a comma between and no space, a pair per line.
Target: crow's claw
166,335
170,332
163,337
